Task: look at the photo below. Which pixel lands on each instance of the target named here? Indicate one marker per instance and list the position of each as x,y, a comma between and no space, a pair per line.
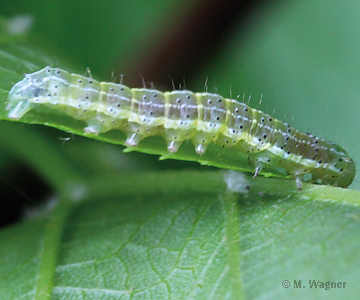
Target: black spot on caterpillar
182,115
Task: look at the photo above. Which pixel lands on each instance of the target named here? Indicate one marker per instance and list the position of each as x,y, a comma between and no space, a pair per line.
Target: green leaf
180,234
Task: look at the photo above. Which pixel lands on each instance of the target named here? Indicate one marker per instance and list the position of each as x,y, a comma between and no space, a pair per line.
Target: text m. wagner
320,284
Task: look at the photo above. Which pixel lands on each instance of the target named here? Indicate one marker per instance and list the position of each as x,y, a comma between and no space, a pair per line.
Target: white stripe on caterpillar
182,115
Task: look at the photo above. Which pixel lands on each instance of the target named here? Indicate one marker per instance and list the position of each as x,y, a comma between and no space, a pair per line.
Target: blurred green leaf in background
90,222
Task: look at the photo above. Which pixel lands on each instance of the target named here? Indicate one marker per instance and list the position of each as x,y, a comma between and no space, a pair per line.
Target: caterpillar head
25,94
32,86
21,95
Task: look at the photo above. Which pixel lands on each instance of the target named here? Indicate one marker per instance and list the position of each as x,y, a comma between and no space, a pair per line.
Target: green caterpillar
181,115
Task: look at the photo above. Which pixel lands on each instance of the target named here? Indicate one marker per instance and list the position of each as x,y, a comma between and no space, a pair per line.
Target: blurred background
300,59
